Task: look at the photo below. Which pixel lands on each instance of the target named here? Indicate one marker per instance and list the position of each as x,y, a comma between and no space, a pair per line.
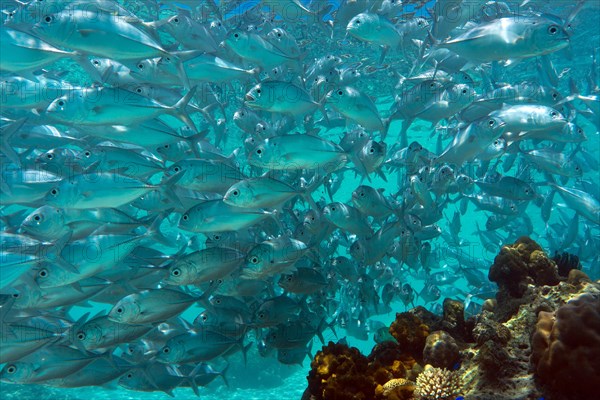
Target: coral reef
542,330
566,347
438,384
520,264
411,333
397,389
340,372
441,350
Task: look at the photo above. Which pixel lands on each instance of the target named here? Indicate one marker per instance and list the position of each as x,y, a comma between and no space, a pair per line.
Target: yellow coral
393,384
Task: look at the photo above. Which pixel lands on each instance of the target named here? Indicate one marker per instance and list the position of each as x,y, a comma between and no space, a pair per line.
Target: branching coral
438,384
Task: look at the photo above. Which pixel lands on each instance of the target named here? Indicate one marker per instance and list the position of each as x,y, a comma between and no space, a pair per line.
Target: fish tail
180,112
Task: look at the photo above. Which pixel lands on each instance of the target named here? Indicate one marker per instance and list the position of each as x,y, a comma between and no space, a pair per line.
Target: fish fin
222,374
88,32
5,147
179,109
403,132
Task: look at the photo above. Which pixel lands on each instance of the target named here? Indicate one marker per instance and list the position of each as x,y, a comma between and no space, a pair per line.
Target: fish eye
580,131
358,21
258,151
288,278
61,103
37,217
235,193
54,192
81,336
176,272
554,95
333,208
43,273
176,20
258,90
464,91
340,92
185,217
236,35
254,260
16,295
491,122
217,237
176,169
140,66
138,90
371,150
204,318
261,315
278,34
96,62
87,154
166,350
11,369
553,114
553,29
120,310
48,18
166,146
130,375
49,156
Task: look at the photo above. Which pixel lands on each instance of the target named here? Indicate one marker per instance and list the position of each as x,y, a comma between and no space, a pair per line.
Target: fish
149,306
189,187
509,38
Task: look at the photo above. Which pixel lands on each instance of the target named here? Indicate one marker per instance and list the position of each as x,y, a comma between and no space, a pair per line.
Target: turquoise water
264,377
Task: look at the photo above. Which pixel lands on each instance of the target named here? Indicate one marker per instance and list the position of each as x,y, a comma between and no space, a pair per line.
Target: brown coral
441,350
520,264
411,333
438,384
339,372
566,348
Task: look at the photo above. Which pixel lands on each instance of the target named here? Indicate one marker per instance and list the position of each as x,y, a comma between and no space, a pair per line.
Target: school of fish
278,170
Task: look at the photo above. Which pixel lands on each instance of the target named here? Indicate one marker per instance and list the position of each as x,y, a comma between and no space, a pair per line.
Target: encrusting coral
438,384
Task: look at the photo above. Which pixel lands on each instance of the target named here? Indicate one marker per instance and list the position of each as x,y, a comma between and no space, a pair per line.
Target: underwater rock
566,347
438,384
521,264
495,362
441,350
454,318
340,372
488,329
411,333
